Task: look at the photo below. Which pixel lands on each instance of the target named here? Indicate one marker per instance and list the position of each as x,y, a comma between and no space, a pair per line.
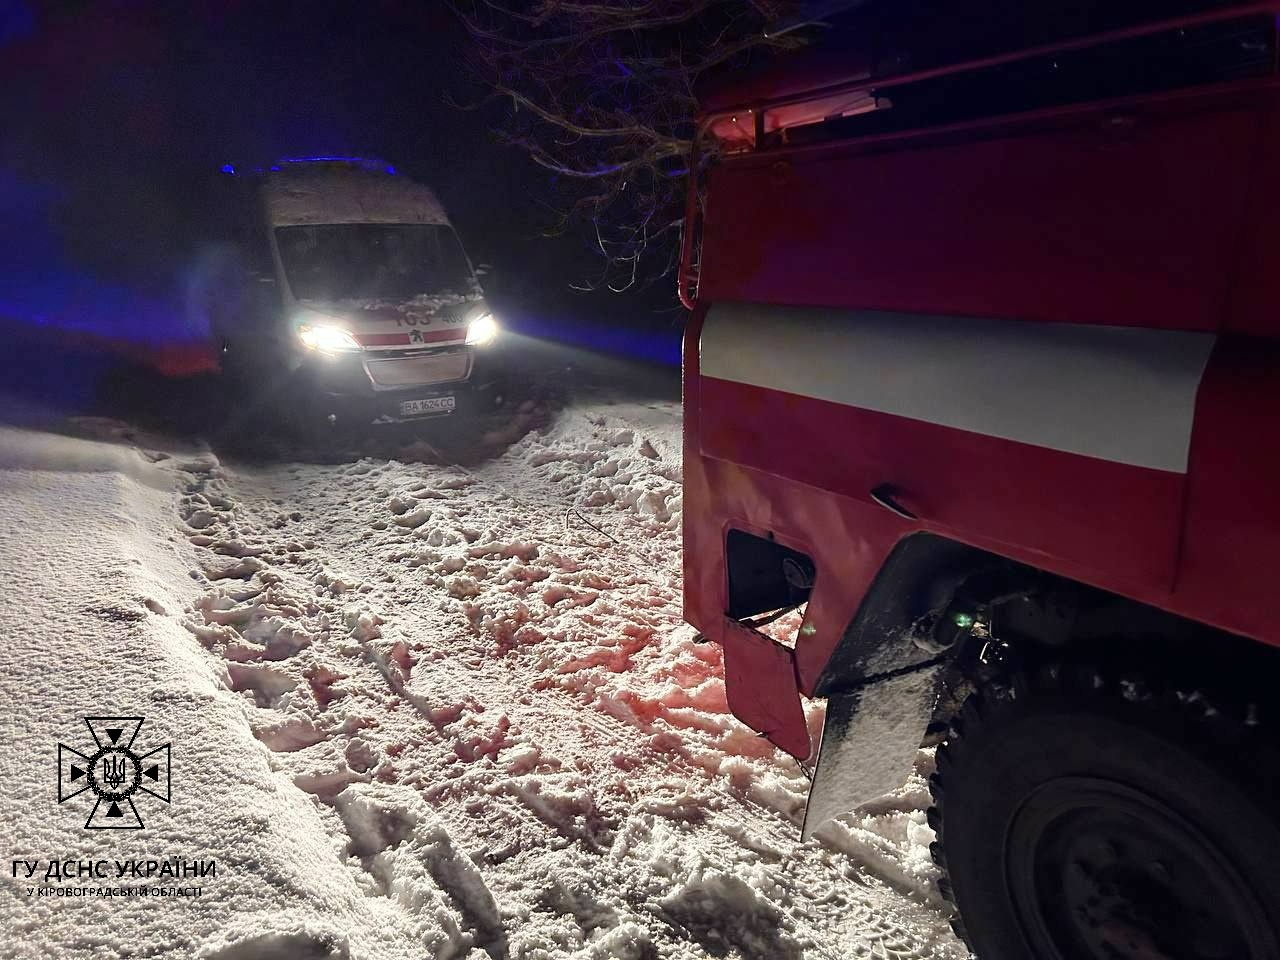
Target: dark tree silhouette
602,95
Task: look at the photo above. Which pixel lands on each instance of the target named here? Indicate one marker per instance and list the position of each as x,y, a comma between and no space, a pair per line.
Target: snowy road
436,714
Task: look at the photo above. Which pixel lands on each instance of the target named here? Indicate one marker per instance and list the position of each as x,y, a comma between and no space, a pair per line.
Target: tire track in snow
512,735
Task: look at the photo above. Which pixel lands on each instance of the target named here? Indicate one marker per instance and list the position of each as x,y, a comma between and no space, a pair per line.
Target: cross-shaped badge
114,771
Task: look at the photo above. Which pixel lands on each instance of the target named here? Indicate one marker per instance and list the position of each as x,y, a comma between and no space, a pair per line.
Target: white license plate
427,405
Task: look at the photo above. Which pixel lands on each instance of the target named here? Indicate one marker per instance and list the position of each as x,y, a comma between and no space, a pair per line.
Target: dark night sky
115,111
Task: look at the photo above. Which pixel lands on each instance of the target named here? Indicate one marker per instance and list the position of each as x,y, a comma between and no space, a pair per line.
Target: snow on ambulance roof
341,192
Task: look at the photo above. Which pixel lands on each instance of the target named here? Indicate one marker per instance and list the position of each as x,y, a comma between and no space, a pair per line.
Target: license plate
427,405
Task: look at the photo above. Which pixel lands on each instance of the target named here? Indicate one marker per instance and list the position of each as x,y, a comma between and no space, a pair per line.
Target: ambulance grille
420,369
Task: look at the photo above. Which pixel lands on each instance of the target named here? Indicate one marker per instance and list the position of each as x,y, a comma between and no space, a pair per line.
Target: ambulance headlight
482,330
327,337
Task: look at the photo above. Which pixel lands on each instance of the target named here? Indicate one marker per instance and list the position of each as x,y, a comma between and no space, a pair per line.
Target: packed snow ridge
420,710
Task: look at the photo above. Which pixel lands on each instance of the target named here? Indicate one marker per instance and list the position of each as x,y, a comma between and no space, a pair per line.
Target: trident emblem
113,770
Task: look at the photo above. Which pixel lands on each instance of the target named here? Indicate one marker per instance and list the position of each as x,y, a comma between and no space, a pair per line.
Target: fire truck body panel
1026,222
1050,338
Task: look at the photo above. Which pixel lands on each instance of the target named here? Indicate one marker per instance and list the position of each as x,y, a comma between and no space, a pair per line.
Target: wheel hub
1097,869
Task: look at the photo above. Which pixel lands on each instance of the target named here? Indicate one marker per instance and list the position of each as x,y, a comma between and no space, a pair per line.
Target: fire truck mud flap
761,687
869,743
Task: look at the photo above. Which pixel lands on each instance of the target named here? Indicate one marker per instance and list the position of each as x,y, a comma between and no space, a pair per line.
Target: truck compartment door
1063,445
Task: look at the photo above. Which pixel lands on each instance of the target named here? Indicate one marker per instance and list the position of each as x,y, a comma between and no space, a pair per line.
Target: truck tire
1079,817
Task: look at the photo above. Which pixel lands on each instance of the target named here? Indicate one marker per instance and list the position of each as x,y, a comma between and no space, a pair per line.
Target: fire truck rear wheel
1079,817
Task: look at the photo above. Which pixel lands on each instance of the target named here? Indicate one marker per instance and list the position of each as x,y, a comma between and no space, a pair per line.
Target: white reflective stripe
1124,394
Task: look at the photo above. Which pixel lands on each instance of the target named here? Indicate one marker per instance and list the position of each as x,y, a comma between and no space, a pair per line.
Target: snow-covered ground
416,710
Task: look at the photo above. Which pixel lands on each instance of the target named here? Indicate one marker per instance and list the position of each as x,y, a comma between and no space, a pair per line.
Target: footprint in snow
284,946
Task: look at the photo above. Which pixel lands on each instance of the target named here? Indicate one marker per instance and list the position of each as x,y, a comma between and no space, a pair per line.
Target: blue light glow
659,345
17,21
365,163
43,286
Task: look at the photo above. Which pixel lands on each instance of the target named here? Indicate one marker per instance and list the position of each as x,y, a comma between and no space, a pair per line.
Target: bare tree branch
601,95
631,130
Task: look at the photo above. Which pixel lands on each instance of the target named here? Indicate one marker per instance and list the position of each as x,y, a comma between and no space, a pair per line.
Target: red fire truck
983,373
